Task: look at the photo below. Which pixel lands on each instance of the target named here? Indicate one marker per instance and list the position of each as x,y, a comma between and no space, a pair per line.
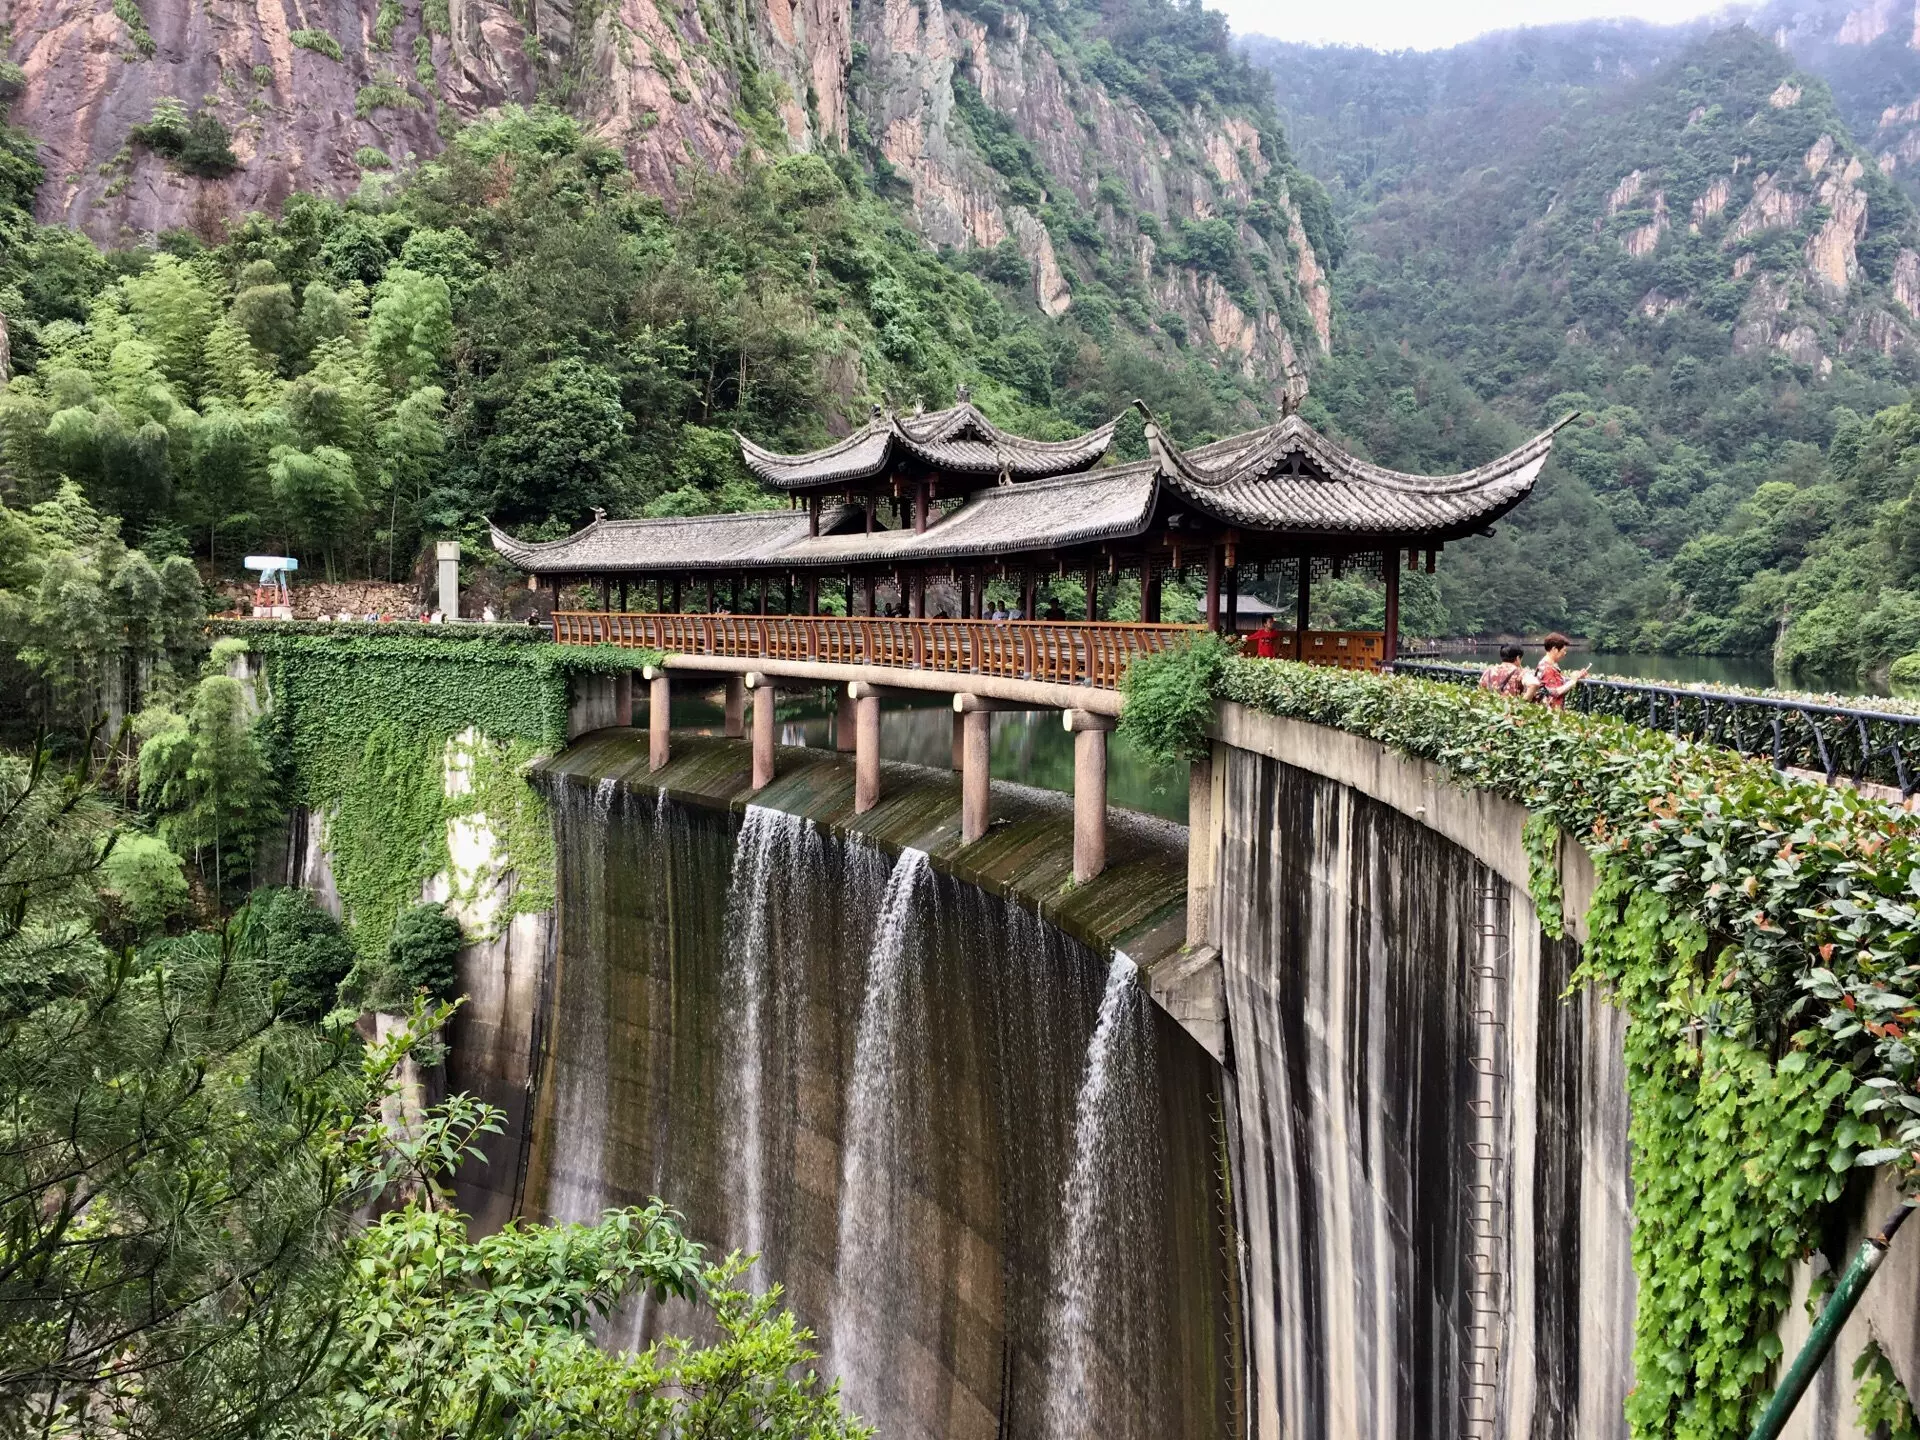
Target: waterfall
1108,1176
875,1144
580,1103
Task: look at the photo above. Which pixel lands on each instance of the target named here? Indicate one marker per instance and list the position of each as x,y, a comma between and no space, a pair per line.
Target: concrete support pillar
736,704
623,698
866,753
1089,733
976,786
843,722
659,718
447,555
1200,843
959,741
762,687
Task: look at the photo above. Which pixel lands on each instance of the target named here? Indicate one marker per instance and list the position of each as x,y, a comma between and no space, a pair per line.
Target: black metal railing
1866,746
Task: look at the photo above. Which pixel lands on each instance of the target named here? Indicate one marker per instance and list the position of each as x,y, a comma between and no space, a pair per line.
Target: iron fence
1866,746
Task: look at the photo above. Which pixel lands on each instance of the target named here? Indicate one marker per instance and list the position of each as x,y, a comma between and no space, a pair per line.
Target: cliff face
935,99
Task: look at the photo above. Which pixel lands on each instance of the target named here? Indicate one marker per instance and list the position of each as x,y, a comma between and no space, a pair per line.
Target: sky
1432,24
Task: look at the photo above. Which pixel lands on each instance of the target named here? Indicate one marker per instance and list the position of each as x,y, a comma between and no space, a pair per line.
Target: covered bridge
948,495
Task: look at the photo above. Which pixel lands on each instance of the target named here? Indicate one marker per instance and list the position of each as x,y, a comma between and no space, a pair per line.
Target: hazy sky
1431,24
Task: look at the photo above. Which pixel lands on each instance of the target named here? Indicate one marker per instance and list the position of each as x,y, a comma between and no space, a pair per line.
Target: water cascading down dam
990,1173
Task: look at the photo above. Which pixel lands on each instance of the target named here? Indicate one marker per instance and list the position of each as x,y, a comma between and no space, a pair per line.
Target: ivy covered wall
365,726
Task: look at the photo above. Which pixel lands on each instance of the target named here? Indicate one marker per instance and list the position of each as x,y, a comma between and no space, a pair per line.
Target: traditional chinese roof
959,441
1291,478
680,542
1286,480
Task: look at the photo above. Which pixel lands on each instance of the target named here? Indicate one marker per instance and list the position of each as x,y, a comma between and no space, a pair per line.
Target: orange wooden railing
1060,651
1347,649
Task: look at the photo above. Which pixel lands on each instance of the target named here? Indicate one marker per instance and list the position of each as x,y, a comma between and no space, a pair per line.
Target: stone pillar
1089,733
1200,842
623,698
959,742
843,722
866,753
736,727
976,780
762,687
659,718
447,553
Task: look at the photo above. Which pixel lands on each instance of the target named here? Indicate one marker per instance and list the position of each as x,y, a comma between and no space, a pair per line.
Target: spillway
989,1172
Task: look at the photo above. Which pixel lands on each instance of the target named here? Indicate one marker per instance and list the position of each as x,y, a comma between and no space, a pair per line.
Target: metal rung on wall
1487,1259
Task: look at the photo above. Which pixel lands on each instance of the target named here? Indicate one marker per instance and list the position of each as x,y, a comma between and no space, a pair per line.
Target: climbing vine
1540,837
1762,935
1885,1411
363,726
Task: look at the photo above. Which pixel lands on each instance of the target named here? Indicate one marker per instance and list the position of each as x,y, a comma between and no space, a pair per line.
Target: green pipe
1826,1329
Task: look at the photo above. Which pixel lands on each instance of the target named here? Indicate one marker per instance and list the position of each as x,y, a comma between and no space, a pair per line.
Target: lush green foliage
91,626
142,881
196,143
1170,699
204,779
1721,484
180,1161
420,956
303,947
1760,934
364,726
1884,1410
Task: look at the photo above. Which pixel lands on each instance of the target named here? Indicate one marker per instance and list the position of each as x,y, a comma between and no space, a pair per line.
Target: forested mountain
1673,231
525,311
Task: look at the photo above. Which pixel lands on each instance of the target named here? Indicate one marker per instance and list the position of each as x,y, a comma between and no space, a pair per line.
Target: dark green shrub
302,944
1170,699
426,941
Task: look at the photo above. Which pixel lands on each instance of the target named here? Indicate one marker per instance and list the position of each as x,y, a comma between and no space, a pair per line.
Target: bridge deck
1061,652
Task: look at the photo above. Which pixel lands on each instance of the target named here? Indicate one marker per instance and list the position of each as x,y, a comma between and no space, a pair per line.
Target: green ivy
1170,697
1541,839
1886,1412
1762,934
363,725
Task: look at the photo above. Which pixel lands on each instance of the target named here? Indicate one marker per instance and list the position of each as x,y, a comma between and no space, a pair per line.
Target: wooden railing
1348,649
1061,651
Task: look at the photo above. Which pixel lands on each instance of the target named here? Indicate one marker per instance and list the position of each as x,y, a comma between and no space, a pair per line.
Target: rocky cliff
1182,222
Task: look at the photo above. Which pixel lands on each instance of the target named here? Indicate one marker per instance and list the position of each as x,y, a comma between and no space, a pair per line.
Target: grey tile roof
1286,479
1291,478
680,542
958,439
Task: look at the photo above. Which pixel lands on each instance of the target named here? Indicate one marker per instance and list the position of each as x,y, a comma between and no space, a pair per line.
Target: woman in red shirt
1552,684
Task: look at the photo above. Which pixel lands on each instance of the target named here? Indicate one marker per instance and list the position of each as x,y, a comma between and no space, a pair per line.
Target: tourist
1054,609
1550,682
487,617
1265,642
1509,677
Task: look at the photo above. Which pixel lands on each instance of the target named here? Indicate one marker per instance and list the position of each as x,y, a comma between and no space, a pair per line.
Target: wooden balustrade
1063,652
1346,649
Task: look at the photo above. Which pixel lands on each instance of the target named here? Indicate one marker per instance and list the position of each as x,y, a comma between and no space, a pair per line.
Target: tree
318,491
204,779
411,329
304,946
558,446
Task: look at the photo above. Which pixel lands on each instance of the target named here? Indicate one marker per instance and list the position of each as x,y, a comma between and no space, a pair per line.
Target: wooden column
871,611
1089,792
1233,599
1093,593
813,516
1300,608
917,595
623,597
866,753
869,514
1147,616
605,603
676,595
763,592
736,708
1213,587
762,687
976,780
659,718
813,594
1390,642
919,507
849,594
733,594
844,720
709,594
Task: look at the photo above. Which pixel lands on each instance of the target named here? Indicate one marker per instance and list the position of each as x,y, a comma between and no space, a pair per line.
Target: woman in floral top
1509,677
1553,685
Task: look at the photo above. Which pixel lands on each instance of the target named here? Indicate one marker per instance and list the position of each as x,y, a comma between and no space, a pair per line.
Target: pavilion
971,503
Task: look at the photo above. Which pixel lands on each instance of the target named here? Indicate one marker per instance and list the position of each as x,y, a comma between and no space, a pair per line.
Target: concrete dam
1029,1165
